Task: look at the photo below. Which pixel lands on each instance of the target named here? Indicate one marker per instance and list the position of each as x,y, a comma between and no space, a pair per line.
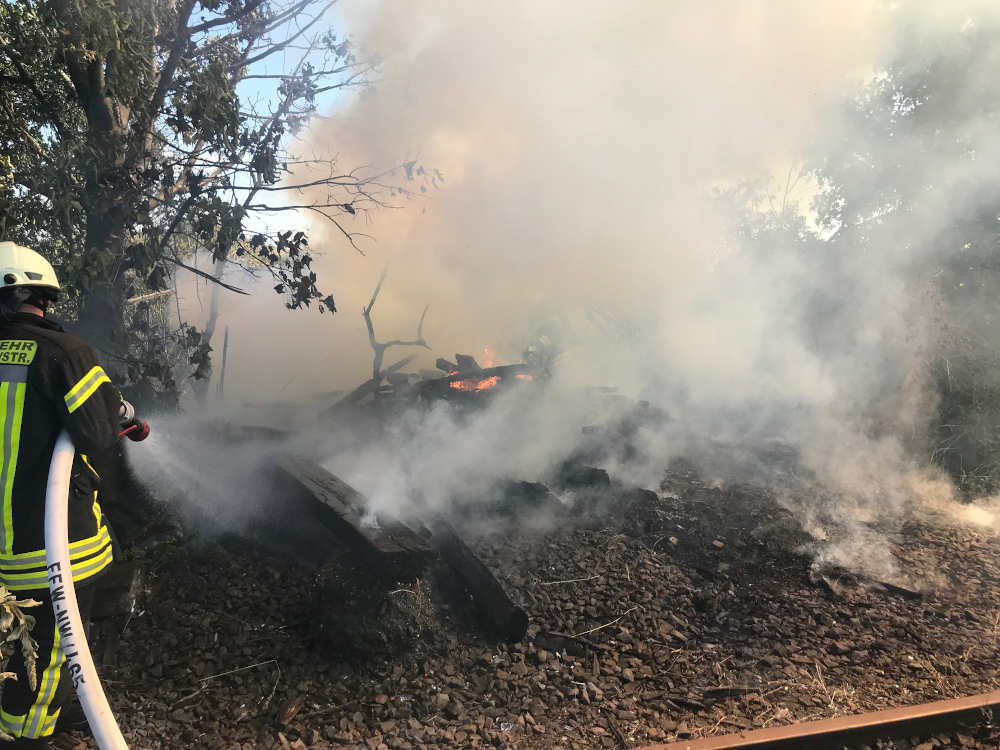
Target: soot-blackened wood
500,615
573,475
370,386
513,499
467,364
445,366
393,550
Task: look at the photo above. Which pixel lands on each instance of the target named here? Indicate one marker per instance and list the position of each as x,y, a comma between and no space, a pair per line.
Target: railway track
852,731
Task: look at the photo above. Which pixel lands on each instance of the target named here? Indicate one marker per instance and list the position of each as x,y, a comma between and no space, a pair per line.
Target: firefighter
50,380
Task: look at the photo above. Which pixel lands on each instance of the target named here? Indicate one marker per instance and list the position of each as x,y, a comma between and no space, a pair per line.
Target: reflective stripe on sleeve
85,388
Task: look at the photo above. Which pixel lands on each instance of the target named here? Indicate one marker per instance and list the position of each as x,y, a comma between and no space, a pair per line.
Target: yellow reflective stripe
31,582
84,570
12,447
20,573
11,723
83,457
50,722
11,410
34,562
7,528
83,383
46,691
40,580
78,549
85,388
83,563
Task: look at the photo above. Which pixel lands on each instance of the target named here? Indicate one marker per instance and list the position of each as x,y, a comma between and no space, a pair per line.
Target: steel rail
849,731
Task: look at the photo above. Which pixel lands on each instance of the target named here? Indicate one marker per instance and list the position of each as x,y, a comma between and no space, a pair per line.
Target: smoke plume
573,156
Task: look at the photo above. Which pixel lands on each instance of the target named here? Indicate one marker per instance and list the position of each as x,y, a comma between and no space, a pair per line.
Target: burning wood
464,375
478,382
475,385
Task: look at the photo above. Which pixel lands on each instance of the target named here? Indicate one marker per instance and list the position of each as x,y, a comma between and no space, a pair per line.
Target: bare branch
204,274
349,81
378,348
341,180
281,45
247,10
371,302
286,76
272,23
318,209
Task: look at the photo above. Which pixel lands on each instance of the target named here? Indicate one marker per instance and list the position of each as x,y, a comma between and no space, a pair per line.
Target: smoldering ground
579,152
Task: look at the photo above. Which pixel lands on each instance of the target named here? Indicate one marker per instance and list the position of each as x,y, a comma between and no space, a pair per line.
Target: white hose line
79,663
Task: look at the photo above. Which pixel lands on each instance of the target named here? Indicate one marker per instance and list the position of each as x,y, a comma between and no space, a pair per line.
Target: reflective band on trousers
38,722
14,725
34,721
85,388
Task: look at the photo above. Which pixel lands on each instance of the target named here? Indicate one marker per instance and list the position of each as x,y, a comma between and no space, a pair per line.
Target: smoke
573,157
577,149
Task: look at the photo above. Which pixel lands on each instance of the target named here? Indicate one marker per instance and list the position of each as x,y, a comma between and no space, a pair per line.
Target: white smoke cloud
579,145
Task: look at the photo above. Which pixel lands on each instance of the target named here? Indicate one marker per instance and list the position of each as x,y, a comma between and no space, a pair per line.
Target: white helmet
22,266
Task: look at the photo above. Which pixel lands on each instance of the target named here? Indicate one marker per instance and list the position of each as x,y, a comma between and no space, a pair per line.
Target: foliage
136,132
907,190
15,629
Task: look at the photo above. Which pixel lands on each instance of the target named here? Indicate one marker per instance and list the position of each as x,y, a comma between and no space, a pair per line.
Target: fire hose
73,639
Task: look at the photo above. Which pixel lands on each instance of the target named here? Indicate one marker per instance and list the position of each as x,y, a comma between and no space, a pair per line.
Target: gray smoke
581,149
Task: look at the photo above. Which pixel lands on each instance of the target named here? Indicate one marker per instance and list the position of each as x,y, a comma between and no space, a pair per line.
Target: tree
129,139
907,192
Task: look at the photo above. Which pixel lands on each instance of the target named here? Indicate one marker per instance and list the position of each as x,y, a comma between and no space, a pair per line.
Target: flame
489,358
475,385
472,384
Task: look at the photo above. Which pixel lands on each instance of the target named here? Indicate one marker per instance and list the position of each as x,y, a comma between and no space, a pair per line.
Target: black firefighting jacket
50,381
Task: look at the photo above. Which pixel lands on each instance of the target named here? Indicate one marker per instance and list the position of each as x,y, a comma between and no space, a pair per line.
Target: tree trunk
200,387
100,322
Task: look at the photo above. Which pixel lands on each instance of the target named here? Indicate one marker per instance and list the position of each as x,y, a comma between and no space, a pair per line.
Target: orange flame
475,385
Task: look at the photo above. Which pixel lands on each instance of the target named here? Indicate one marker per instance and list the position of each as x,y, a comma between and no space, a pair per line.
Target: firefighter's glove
126,413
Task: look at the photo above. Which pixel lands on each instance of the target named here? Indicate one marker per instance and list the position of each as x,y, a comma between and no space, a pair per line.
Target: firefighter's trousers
33,713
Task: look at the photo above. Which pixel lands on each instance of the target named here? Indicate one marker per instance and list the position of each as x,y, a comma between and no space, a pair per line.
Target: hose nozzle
136,430
132,427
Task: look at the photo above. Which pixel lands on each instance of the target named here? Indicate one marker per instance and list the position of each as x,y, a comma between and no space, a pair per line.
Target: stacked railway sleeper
677,615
